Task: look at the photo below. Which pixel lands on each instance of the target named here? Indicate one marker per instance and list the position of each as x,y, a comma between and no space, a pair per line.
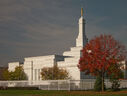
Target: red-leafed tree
102,55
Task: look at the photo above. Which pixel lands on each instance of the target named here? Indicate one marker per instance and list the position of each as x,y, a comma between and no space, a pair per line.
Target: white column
32,70
33,74
37,74
40,74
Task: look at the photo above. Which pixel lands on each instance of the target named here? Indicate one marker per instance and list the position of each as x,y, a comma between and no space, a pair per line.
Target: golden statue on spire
81,11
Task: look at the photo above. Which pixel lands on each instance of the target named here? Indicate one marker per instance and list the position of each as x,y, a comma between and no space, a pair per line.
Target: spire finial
81,11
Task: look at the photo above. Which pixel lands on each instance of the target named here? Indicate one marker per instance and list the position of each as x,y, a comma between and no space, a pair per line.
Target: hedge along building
69,60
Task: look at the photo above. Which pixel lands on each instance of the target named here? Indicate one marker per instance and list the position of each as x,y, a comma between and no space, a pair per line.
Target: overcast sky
45,27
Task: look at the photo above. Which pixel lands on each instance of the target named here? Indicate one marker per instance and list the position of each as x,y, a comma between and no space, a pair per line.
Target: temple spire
81,40
81,11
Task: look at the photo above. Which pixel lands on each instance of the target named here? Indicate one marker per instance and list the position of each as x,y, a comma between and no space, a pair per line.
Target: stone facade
12,65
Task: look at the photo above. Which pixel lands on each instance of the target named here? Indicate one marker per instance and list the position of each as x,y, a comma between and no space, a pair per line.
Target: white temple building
69,60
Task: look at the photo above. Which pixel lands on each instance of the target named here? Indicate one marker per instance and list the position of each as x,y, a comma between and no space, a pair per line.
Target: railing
86,84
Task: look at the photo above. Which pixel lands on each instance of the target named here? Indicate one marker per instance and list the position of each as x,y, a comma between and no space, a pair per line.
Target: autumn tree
100,55
5,74
54,73
2,69
18,74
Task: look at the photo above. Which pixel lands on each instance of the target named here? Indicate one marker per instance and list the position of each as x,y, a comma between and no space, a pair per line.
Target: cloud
95,28
42,27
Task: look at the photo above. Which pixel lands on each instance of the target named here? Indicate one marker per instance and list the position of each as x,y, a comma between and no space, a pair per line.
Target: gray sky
44,27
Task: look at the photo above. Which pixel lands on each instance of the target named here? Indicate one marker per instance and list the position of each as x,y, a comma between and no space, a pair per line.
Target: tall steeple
81,39
81,11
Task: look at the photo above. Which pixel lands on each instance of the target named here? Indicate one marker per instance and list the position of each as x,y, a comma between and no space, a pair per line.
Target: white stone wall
33,65
70,63
12,66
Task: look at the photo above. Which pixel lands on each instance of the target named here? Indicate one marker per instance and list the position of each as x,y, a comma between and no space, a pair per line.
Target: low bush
19,88
98,84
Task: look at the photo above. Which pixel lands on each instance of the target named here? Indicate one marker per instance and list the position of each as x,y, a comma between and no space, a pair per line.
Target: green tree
2,69
18,74
115,79
98,84
5,74
54,73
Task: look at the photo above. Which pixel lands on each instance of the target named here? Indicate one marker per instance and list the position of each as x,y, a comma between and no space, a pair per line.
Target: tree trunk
102,82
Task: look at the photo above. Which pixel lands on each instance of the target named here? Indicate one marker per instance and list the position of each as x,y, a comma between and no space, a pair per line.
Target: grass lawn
59,93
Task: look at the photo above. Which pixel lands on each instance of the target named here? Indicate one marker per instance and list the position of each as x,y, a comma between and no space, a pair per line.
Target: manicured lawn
59,93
